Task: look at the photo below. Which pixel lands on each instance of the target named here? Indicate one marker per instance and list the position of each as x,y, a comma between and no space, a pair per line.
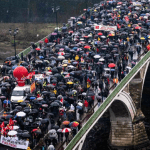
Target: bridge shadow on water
97,138
145,103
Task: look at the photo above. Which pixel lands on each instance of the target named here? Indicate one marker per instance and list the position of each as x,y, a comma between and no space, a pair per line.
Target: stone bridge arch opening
116,125
145,101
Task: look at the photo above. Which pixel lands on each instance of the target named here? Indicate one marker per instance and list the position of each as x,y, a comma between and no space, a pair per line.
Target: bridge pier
127,127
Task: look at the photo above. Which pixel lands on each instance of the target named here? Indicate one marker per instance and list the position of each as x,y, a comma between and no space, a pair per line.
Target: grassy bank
28,32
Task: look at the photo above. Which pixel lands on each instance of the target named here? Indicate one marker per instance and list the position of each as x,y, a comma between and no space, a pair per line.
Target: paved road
2,147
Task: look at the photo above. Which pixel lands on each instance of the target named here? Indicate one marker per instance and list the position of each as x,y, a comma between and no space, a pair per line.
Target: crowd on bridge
73,70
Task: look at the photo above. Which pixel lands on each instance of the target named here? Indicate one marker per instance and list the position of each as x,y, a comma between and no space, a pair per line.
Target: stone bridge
127,129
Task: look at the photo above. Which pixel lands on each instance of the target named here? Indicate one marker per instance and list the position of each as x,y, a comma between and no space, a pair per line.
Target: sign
32,88
105,28
14,142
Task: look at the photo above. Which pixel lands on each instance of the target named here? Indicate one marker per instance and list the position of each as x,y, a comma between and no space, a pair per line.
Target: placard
14,142
105,28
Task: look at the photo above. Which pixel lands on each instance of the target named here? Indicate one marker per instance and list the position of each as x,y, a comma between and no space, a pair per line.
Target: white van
19,93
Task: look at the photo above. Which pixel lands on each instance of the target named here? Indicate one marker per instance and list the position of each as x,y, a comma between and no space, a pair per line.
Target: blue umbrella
6,101
41,57
112,69
75,48
79,107
15,66
143,14
32,98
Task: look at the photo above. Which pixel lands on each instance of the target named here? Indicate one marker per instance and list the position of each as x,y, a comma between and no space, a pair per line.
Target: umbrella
100,33
137,27
52,131
74,124
59,130
97,56
66,122
87,47
101,59
26,135
37,49
111,65
54,104
14,127
34,130
61,57
69,82
44,121
55,127
21,114
66,130
12,133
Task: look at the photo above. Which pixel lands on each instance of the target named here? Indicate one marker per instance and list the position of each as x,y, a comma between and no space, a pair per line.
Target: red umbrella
37,49
138,27
86,36
111,65
119,3
34,130
65,130
66,122
100,33
71,31
87,46
148,47
74,124
61,53
46,40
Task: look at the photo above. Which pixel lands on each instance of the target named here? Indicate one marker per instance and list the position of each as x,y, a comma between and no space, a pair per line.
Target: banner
14,142
32,88
105,28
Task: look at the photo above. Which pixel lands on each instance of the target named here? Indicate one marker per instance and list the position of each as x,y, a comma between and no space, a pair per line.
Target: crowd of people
78,63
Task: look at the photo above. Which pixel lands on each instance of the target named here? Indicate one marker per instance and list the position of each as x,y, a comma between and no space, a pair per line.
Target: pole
56,21
15,46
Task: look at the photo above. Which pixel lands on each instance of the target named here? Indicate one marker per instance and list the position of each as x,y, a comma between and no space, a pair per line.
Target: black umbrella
26,135
50,114
44,121
56,127
9,116
54,104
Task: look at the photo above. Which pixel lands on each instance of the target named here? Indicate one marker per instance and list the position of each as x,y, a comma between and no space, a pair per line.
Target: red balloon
20,73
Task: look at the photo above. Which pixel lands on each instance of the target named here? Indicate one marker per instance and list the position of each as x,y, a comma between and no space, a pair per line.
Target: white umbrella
38,61
13,127
101,59
128,67
59,130
84,94
70,66
21,114
103,36
97,56
12,132
65,130
61,57
80,104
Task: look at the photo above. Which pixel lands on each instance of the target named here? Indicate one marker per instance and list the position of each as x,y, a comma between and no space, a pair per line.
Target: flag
118,26
2,125
11,122
46,40
62,100
88,80
11,127
82,60
2,130
7,127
